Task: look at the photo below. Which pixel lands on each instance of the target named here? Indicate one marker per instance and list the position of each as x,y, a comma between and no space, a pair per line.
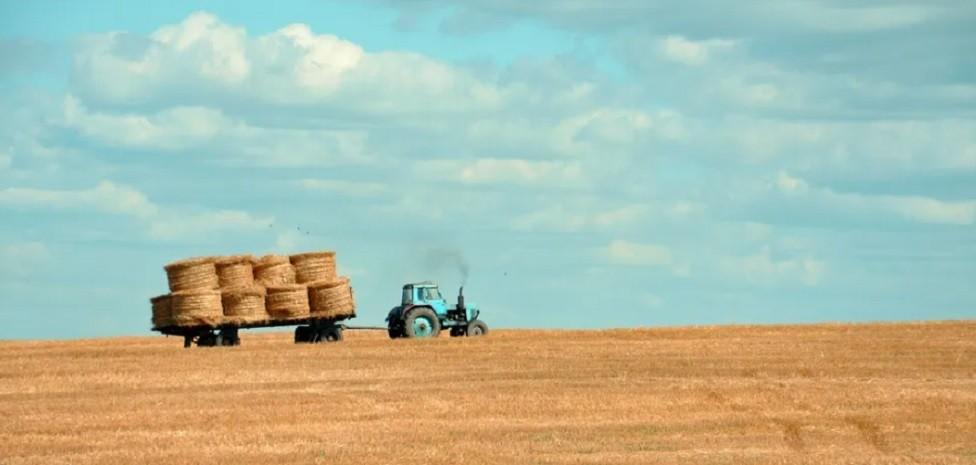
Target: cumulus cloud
164,223
208,61
764,268
691,52
909,208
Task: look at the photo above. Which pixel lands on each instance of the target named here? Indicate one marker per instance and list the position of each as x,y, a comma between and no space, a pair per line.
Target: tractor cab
423,312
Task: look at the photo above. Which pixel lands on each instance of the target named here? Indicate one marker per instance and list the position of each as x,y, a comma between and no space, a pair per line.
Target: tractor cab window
407,296
429,293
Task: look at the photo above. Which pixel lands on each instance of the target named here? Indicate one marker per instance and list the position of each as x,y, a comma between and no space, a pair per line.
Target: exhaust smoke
438,258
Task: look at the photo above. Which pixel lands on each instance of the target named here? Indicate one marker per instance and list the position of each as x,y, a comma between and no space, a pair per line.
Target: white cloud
204,58
911,208
505,171
192,129
219,49
612,129
170,129
106,197
110,198
849,18
690,52
763,268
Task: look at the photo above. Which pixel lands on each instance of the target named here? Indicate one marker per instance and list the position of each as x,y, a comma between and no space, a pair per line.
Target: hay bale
331,299
235,271
162,311
244,305
274,270
314,266
287,301
191,274
197,308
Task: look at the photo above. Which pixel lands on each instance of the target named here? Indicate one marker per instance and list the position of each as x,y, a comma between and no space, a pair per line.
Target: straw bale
197,308
331,299
235,271
244,305
314,266
274,270
198,273
162,311
287,301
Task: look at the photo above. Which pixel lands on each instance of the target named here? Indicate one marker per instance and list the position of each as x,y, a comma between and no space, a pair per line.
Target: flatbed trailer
309,329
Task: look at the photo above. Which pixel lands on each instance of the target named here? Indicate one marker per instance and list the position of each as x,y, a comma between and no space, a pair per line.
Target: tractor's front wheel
422,322
477,328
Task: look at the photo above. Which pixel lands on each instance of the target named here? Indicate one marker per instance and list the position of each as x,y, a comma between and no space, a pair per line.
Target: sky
590,164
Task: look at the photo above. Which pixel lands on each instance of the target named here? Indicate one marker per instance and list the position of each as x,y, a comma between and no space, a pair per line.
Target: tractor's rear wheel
477,328
422,322
395,331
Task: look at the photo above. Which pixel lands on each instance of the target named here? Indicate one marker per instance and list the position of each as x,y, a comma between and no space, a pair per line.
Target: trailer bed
226,333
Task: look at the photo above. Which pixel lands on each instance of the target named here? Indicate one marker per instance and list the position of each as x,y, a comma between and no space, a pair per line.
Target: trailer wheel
330,334
477,328
303,334
422,322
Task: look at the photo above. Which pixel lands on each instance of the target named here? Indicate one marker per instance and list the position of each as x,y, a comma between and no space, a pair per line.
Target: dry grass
835,394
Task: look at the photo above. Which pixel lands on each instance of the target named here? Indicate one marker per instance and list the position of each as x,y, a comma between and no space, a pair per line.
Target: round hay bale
314,266
235,271
331,299
287,301
192,274
197,308
244,305
274,270
162,311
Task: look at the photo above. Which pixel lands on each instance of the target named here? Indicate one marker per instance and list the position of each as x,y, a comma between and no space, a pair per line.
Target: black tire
477,328
208,340
458,331
303,335
394,330
428,315
330,334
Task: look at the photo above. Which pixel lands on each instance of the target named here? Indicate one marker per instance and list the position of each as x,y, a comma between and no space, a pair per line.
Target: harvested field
840,394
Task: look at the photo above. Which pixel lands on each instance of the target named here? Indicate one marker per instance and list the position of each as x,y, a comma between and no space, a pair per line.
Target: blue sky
641,164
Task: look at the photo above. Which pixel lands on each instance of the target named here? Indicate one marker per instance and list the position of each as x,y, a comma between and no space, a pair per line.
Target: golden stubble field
885,393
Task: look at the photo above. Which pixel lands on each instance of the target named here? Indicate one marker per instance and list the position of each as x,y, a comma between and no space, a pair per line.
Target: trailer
308,330
422,313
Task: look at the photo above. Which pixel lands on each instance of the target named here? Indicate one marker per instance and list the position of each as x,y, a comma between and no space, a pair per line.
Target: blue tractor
423,312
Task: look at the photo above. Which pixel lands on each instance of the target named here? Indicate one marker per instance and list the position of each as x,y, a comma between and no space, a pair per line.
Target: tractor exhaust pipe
460,304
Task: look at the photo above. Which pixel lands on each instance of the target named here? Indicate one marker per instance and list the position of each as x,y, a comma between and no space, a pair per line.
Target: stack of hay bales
195,298
331,299
239,289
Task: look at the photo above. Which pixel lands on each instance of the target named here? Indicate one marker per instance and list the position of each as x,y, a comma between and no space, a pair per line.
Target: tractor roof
421,284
